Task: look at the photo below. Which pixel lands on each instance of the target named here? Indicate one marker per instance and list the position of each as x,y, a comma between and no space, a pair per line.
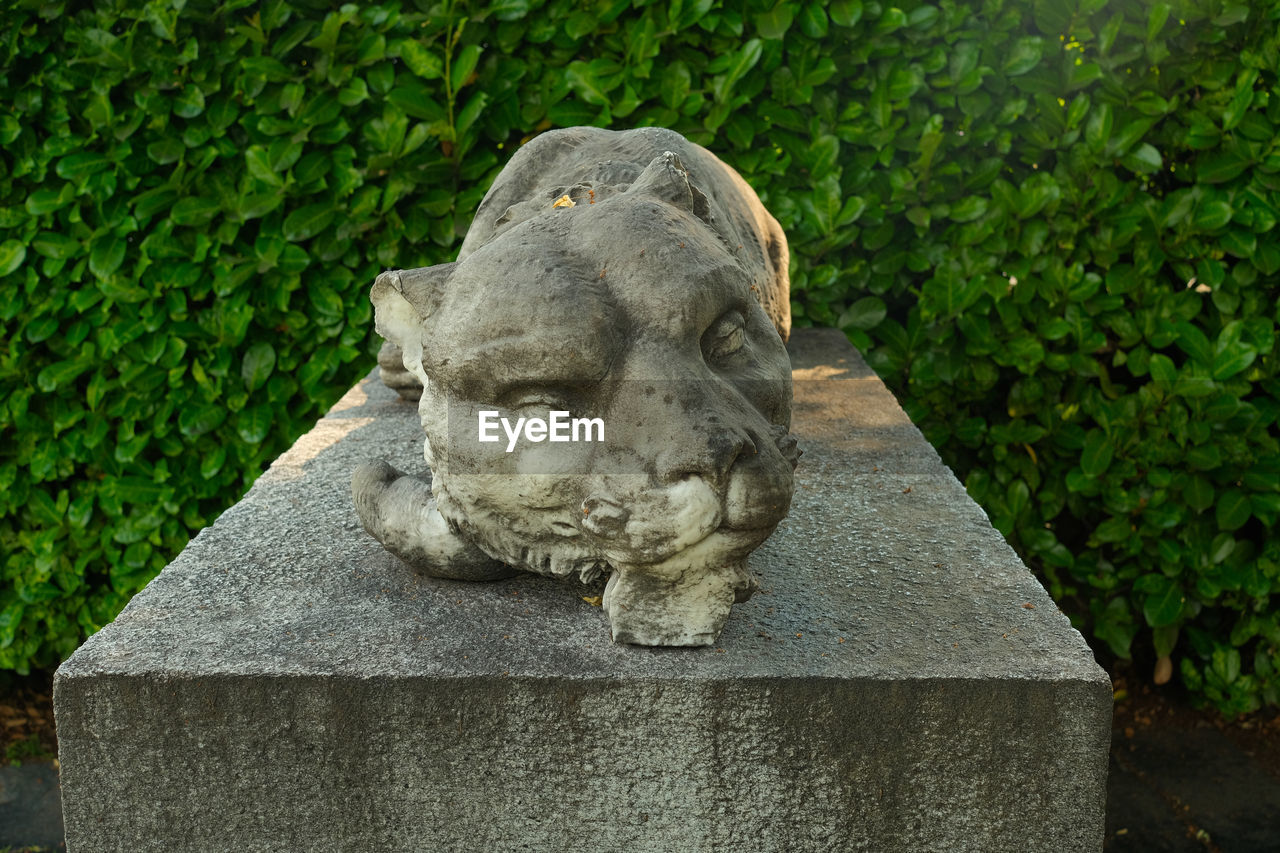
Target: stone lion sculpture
632,284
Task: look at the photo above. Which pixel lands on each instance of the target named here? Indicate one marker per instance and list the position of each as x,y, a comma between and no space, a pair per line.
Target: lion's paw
688,610
398,510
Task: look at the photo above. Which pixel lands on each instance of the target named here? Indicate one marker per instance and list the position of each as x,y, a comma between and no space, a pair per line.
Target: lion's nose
710,459
604,517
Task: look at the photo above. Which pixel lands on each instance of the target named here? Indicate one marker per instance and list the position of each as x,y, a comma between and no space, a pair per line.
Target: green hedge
1047,224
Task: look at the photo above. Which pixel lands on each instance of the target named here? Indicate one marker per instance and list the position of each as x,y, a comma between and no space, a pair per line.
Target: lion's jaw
588,524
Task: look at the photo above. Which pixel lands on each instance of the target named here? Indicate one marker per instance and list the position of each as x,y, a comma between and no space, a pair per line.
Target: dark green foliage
1049,225
193,203
1073,285
1090,336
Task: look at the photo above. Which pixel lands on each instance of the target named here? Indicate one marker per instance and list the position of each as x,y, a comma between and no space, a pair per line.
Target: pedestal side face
901,681
312,763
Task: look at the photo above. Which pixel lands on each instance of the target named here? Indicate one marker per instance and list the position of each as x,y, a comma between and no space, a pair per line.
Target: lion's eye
547,399
725,337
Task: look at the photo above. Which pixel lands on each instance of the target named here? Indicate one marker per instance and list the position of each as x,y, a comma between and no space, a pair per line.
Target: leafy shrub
1047,224
1083,314
193,201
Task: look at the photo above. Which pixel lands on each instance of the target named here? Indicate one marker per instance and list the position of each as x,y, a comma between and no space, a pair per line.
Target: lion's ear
404,299
666,178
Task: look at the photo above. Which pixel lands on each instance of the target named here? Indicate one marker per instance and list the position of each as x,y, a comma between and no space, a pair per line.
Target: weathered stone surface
286,684
628,279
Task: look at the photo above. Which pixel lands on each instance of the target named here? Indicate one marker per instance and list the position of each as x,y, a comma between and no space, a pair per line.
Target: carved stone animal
626,277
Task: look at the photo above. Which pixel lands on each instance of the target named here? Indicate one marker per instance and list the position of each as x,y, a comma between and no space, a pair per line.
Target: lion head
628,313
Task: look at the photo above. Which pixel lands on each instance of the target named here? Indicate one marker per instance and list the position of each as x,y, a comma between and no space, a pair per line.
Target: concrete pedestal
901,682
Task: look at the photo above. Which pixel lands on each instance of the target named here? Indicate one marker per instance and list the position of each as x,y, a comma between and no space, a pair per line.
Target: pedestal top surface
885,569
